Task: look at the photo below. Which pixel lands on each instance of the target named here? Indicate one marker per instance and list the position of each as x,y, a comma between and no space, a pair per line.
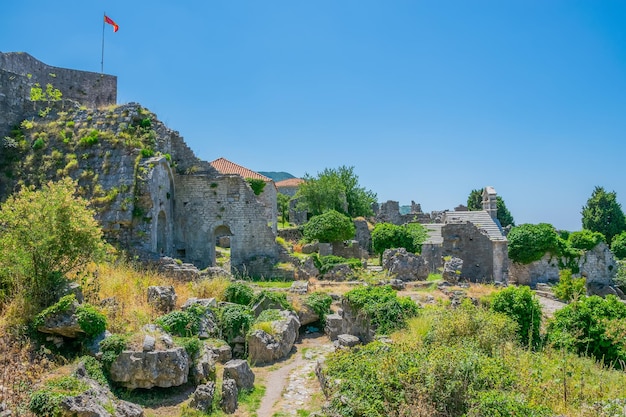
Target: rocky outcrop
452,269
268,348
349,321
341,272
62,323
96,401
162,299
306,315
177,270
202,367
207,325
202,398
228,403
347,341
239,371
160,368
404,265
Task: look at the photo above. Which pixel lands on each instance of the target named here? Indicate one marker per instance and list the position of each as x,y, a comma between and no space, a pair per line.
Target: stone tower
490,204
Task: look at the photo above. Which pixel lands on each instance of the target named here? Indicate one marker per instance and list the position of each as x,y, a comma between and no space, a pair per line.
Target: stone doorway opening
223,243
161,242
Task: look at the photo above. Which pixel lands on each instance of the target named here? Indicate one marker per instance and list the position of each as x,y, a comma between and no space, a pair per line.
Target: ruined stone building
289,186
476,237
151,193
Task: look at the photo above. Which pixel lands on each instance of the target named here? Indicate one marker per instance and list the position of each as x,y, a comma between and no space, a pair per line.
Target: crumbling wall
88,88
466,241
204,203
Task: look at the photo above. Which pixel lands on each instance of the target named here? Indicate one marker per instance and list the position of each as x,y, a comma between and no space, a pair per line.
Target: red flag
110,21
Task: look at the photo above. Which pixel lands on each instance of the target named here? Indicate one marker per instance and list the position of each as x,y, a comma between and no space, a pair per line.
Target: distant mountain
276,176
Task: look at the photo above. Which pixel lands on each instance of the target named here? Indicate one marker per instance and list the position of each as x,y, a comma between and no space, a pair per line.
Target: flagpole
102,61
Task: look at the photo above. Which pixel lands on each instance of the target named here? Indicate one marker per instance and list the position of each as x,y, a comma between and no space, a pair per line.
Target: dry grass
121,290
22,366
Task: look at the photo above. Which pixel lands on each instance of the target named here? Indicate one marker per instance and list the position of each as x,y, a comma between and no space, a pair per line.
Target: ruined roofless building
474,236
159,200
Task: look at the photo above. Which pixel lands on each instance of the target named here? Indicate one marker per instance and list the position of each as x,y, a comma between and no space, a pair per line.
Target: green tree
475,203
585,239
331,226
389,236
520,304
45,234
618,246
335,189
283,206
604,214
529,242
475,200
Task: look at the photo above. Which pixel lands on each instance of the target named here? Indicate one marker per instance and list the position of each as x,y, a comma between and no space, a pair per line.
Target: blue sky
426,99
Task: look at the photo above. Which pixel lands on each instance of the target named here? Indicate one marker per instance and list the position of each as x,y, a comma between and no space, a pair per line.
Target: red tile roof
290,182
224,166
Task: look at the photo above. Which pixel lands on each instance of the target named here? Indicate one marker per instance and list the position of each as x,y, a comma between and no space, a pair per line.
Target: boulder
404,265
306,315
306,269
299,287
161,298
228,403
452,269
203,397
310,248
202,369
207,326
268,348
340,272
92,402
334,326
347,340
215,271
265,303
159,368
223,352
62,323
239,371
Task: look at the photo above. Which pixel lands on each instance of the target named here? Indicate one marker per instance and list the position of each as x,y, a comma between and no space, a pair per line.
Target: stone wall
466,241
88,88
204,203
597,265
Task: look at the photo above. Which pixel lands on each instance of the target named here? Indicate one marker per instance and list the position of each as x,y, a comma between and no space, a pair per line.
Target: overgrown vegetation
522,306
569,288
330,226
328,262
387,311
257,185
466,362
389,236
44,235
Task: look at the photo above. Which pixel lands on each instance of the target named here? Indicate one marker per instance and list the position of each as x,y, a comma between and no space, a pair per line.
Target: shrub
94,369
274,297
389,236
147,153
320,303
326,263
192,345
618,246
234,320
501,404
569,288
387,311
91,139
46,234
529,242
47,400
91,320
521,305
330,226
256,184
183,323
239,293
591,326
111,347
585,239
38,144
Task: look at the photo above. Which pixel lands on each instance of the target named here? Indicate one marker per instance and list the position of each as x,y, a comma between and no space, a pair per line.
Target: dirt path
293,385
